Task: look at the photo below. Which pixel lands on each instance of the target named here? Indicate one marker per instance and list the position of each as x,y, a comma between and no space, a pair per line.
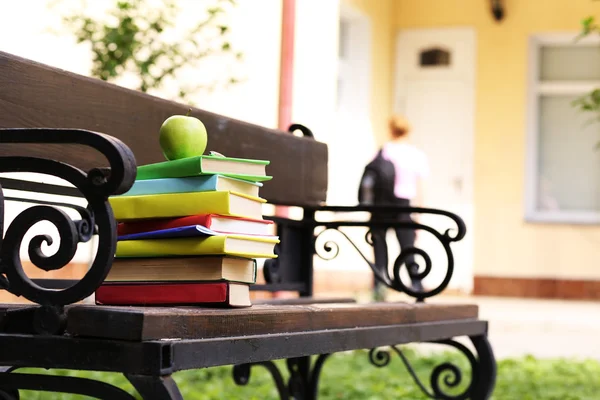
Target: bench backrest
35,95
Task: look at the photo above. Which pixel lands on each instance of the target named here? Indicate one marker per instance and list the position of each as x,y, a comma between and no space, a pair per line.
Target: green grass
351,376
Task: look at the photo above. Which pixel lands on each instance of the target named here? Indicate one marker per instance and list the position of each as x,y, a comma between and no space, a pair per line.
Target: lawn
351,376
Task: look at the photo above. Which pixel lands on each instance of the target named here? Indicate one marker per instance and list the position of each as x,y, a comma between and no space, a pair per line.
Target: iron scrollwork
149,387
306,132
96,186
330,249
241,376
483,370
303,382
11,383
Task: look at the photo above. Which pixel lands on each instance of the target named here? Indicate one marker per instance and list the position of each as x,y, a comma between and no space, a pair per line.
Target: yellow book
168,205
231,245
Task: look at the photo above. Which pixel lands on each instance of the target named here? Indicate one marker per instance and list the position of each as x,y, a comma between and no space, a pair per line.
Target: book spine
212,245
129,228
170,169
170,205
182,293
176,185
184,231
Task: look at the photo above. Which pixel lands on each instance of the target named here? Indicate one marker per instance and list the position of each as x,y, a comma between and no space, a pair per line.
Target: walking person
394,177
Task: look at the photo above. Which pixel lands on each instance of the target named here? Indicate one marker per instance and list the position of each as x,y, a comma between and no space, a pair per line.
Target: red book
189,293
218,223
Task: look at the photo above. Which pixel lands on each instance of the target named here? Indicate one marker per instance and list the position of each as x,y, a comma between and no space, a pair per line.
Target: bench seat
202,323
173,339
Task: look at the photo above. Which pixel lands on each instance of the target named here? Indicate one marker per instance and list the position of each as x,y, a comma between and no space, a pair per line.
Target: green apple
182,136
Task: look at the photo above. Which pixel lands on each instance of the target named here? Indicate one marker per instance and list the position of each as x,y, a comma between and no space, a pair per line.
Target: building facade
489,100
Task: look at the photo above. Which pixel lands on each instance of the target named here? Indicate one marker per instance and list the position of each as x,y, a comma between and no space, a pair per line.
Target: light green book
246,169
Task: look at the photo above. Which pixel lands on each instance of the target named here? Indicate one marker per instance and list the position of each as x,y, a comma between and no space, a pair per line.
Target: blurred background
501,95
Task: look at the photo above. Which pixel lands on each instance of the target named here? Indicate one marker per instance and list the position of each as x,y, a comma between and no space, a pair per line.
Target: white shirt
410,164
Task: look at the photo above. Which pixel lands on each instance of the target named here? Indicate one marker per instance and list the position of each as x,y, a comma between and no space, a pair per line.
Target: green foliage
590,102
144,39
351,376
588,26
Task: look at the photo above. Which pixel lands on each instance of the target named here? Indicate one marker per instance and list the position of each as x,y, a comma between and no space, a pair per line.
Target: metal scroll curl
241,376
331,249
163,387
446,375
96,186
303,382
423,263
11,383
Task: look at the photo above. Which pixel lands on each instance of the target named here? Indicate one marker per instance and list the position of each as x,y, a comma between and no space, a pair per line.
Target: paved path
542,328
518,327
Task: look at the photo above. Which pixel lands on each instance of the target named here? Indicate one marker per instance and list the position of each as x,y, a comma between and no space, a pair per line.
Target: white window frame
343,67
534,90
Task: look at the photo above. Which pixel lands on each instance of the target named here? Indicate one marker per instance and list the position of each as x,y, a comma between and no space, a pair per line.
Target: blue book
182,231
202,183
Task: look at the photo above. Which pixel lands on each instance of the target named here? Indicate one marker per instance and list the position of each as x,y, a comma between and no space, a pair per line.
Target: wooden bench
149,344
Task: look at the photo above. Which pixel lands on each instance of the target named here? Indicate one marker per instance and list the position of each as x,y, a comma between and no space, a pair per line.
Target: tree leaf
134,41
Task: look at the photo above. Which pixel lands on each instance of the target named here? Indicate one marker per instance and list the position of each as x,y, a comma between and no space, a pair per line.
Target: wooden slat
36,95
139,323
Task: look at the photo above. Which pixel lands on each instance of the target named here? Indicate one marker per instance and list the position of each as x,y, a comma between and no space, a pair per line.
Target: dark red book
218,223
188,293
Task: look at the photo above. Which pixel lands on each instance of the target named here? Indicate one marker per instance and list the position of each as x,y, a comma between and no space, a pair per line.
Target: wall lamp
497,9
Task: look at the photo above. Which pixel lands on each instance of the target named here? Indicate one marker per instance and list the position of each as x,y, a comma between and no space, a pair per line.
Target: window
353,62
344,59
344,39
563,171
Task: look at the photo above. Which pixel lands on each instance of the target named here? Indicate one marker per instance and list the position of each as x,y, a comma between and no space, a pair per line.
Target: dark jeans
406,238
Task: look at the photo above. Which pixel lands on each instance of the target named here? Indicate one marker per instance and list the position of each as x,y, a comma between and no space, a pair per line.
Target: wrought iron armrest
291,251
387,220
461,228
95,185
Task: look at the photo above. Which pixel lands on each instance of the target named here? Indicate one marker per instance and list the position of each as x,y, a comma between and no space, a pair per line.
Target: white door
435,91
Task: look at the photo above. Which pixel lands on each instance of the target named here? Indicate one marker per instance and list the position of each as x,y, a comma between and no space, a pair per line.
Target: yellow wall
505,245
381,15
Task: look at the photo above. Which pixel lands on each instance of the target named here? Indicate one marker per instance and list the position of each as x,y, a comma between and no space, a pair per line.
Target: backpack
377,182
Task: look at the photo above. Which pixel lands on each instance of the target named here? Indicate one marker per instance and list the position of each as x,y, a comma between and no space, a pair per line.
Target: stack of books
189,233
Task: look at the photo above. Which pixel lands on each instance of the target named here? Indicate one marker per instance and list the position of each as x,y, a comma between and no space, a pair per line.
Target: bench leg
487,365
155,387
241,376
149,387
483,370
304,380
303,383
11,382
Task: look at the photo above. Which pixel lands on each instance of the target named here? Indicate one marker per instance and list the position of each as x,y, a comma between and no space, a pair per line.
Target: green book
246,169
